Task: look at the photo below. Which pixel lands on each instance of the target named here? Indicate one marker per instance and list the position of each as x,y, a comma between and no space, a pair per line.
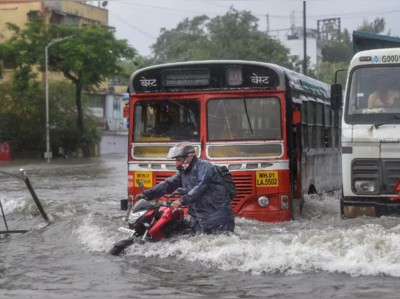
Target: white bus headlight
135,216
263,201
365,186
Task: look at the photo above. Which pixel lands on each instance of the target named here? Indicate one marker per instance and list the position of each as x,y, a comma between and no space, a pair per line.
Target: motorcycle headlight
135,216
365,186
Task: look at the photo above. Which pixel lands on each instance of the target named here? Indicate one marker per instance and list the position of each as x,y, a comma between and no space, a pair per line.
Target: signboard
193,77
97,111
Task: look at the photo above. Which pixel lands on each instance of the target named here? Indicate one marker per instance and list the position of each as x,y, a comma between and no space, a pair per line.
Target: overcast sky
139,21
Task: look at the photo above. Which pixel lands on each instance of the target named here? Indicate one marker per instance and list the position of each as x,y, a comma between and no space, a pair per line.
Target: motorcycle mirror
180,191
141,185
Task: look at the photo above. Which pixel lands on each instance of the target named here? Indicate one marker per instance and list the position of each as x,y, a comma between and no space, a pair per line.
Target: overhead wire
135,28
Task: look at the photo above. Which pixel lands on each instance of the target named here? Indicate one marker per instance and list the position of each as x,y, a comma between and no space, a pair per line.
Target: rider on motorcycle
208,201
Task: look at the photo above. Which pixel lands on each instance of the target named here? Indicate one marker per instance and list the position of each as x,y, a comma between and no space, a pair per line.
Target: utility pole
267,23
305,39
48,154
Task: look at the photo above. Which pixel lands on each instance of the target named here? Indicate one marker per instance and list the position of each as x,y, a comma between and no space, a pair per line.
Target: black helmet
186,151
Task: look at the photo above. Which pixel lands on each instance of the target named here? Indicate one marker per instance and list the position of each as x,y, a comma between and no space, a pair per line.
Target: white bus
370,133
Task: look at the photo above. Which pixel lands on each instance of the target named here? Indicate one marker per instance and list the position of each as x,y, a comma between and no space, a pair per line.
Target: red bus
273,128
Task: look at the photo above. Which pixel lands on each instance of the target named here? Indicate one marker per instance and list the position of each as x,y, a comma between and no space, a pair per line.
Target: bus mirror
336,97
296,116
126,112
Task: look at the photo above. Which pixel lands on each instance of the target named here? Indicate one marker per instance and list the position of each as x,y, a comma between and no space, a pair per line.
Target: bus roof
363,41
215,75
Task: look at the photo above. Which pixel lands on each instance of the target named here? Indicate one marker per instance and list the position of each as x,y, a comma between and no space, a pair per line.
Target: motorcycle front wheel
120,247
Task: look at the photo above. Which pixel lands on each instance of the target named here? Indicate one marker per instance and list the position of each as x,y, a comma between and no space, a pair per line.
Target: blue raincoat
208,201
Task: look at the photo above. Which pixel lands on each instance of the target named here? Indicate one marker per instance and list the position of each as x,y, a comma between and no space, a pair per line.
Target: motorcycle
152,220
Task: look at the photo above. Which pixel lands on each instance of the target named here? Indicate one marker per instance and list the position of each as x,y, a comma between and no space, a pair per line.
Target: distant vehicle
371,127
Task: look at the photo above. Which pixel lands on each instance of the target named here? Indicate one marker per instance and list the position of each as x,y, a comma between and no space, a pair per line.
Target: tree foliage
87,60
234,35
339,54
23,115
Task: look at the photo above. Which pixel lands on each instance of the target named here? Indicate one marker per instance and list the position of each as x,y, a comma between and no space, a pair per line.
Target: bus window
319,125
311,124
328,129
227,119
167,120
304,126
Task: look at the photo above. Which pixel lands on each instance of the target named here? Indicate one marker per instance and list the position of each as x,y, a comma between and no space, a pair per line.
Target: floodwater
318,256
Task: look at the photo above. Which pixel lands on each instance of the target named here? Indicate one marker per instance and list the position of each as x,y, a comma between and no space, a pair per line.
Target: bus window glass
304,113
311,113
167,120
328,122
227,119
235,151
374,94
320,113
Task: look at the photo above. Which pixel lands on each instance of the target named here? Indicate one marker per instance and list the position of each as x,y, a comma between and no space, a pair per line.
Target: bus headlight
263,201
285,202
365,186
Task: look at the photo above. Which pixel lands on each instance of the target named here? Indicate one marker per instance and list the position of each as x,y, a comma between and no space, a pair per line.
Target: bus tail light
285,202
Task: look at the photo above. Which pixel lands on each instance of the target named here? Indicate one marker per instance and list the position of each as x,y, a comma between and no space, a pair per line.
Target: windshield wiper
183,107
247,114
387,121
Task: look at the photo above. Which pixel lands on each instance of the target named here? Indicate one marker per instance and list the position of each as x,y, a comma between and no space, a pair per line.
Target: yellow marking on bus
145,177
267,179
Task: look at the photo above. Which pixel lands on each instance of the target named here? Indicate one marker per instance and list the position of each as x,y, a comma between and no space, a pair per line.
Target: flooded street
318,256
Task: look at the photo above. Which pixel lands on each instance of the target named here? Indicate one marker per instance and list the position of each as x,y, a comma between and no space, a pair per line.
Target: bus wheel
312,190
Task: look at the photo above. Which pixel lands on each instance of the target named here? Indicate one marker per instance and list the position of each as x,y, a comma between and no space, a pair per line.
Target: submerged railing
23,177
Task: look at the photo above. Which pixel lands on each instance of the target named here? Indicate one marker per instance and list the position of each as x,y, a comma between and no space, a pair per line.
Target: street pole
305,39
48,154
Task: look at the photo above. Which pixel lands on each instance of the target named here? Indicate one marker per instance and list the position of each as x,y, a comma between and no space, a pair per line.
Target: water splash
13,205
356,247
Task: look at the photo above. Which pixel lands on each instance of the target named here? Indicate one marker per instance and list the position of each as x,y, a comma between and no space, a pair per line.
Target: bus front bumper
352,207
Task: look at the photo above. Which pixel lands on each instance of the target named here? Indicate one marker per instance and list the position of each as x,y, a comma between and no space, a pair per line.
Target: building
294,41
105,102
76,13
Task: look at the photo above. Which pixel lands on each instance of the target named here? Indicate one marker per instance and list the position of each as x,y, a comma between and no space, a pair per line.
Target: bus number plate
145,177
267,179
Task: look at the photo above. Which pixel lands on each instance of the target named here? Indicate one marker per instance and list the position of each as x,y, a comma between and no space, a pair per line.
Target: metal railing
23,177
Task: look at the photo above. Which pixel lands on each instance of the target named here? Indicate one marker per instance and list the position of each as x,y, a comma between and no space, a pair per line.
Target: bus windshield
374,94
167,120
244,119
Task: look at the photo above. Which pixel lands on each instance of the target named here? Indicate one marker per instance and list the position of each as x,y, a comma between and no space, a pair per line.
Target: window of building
33,15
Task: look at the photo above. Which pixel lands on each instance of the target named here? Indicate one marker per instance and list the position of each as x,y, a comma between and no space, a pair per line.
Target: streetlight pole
48,154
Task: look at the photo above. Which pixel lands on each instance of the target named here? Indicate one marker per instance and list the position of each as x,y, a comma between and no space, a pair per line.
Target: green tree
375,27
339,51
342,50
234,35
23,117
327,71
87,60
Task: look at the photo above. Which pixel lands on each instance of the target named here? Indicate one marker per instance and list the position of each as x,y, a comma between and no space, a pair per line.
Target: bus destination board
192,77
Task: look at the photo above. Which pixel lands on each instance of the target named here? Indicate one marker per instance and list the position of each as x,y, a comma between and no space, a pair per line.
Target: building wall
296,47
16,13
87,12
114,144
80,14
